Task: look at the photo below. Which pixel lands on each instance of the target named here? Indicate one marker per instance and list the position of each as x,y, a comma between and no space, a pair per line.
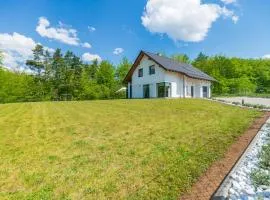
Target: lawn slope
119,149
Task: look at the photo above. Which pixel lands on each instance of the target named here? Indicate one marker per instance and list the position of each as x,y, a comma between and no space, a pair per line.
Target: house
156,76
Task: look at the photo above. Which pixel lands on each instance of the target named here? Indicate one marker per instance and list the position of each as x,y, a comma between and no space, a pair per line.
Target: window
205,91
152,69
140,72
163,89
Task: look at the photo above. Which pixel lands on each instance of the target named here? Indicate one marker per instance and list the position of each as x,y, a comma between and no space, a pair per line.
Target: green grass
119,149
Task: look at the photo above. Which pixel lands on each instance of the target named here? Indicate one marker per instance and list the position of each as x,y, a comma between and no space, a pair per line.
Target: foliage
1,59
261,176
122,70
62,77
265,158
65,77
236,76
16,87
115,149
181,58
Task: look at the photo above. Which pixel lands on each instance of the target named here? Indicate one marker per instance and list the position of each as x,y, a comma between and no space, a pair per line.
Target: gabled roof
170,65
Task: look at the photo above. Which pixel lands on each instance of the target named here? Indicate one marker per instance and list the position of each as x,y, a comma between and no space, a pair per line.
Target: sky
112,29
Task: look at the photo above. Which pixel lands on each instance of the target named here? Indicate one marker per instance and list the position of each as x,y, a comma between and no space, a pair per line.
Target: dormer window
140,72
152,69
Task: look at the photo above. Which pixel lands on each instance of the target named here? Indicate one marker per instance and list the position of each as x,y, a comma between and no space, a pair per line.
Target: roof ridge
185,68
175,61
171,59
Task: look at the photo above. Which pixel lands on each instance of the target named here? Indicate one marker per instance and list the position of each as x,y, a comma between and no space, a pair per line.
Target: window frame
152,69
163,88
140,72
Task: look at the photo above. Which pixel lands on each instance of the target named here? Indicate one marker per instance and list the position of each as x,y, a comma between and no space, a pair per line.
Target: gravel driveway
250,100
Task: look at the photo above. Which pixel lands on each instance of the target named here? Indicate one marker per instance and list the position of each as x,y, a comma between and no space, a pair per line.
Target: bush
261,176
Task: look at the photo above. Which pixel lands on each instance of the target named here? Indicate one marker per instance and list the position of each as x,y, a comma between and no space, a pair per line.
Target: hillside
112,149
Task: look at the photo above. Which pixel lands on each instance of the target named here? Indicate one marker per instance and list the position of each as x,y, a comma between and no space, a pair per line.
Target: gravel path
250,100
238,185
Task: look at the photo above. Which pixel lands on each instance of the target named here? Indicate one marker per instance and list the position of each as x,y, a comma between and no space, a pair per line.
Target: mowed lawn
115,149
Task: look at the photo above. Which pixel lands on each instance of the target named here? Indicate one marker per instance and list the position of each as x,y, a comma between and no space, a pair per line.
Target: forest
58,77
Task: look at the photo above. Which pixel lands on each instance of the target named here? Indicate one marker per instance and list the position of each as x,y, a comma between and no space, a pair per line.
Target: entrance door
146,91
205,92
192,91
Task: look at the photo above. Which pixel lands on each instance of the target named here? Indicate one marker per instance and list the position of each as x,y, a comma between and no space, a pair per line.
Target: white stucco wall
138,82
197,85
177,81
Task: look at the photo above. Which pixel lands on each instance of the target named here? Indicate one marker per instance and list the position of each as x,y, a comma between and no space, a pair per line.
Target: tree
1,59
122,70
183,58
89,87
72,74
105,78
105,74
59,79
93,69
37,63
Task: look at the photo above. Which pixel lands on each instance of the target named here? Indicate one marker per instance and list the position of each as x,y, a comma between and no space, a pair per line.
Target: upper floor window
152,69
140,72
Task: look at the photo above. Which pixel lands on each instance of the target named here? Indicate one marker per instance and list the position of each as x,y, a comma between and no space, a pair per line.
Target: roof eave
129,74
131,70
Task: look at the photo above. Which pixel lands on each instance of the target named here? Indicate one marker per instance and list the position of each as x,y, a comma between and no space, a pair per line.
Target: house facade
155,76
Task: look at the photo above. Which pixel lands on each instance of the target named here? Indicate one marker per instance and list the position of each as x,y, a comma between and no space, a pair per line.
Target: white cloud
50,50
16,49
17,42
88,57
62,34
86,45
186,20
235,19
118,51
91,28
267,56
228,1
11,62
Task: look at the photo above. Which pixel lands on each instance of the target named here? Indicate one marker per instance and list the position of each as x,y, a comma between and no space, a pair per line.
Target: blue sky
231,27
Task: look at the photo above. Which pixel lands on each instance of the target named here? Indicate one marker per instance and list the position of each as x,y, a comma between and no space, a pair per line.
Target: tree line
235,76
58,76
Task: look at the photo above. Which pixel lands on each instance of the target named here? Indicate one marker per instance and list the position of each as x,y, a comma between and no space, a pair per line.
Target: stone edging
210,181
239,105
224,190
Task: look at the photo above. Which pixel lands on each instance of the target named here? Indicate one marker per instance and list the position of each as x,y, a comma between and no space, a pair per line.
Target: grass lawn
119,149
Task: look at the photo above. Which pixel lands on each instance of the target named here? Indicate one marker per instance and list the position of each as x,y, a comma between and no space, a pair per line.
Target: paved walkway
250,100
208,183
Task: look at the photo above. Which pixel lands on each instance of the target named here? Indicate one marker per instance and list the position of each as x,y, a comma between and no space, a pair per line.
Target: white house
155,76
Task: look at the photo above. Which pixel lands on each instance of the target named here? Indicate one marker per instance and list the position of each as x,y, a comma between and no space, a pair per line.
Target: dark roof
176,66
171,65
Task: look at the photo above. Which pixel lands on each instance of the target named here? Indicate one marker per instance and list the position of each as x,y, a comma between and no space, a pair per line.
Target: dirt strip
210,181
